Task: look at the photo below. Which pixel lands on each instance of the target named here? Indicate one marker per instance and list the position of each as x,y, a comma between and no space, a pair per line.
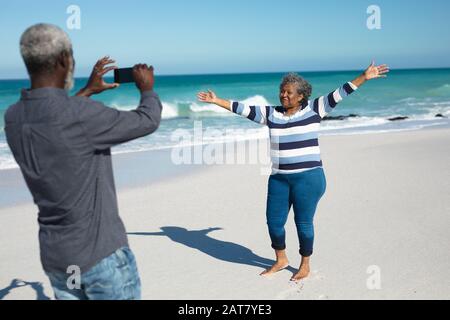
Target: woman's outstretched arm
325,104
256,114
211,97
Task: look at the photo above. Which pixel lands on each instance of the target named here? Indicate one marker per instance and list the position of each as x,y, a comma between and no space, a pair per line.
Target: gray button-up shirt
62,145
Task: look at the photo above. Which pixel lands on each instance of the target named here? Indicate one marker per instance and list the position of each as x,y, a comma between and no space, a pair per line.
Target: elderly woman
297,178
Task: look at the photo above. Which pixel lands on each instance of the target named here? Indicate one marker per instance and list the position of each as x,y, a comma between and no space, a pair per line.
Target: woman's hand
210,97
207,97
96,84
374,72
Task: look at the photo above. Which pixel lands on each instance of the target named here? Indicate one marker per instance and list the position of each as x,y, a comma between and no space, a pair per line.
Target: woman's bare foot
303,271
278,266
282,263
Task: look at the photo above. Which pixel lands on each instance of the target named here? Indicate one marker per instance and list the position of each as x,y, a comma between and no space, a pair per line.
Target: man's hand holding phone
96,84
141,74
143,77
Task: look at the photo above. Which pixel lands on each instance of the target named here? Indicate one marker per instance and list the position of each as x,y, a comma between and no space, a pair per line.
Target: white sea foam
254,101
7,162
443,109
207,108
352,123
170,110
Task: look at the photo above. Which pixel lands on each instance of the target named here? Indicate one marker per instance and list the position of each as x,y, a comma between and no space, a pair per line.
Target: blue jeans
302,191
114,278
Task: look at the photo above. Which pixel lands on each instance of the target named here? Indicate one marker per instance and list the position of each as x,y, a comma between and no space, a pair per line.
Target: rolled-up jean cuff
305,254
278,247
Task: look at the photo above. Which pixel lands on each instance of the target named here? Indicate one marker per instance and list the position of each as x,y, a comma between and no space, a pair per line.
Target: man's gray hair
303,86
41,45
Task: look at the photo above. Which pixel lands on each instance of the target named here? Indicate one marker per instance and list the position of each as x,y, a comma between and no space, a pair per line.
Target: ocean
419,95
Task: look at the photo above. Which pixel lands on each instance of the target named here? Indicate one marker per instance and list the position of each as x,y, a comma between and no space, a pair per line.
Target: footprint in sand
315,275
296,288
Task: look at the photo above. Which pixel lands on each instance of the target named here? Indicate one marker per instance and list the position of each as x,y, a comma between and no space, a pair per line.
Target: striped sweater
294,139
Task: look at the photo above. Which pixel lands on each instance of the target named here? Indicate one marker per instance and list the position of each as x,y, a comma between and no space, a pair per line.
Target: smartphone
124,75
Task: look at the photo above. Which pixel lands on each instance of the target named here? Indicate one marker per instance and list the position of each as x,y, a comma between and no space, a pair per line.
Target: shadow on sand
218,249
17,283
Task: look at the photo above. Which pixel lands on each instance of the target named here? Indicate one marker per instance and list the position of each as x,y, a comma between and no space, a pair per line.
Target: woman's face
289,96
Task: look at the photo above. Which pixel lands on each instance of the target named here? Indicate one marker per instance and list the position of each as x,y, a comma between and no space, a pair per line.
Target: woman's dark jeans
302,191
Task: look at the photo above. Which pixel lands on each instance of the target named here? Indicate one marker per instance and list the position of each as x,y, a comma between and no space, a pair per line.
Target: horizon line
255,72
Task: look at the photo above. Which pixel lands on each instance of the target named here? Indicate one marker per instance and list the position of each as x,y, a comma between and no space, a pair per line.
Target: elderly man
62,145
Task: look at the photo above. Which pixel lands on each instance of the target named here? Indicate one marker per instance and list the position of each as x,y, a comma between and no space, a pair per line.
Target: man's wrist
85,92
145,89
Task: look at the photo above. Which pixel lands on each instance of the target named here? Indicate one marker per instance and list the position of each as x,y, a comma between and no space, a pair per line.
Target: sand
382,228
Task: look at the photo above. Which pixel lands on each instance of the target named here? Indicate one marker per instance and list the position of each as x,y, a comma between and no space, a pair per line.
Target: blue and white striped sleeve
254,113
325,104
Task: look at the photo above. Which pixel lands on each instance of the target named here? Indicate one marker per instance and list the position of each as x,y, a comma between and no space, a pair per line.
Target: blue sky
228,36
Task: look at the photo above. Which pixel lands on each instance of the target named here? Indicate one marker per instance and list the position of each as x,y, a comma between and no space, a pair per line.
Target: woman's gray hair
41,45
303,86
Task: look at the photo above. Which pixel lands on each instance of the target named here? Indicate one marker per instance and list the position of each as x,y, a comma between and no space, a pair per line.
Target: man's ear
64,61
300,99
